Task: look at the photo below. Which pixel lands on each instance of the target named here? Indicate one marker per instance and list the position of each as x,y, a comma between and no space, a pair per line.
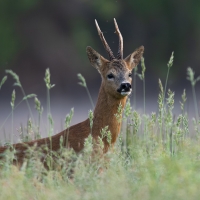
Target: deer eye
130,74
110,76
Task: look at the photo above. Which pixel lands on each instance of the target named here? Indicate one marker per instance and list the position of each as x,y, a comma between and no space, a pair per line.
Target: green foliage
18,83
108,8
12,103
169,65
136,121
171,60
49,86
190,76
149,172
3,81
38,106
83,83
68,118
184,99
91,116
118,115
47,80
10,11
193,82
15,77
127,109
88,145
105,133
82,79
142,77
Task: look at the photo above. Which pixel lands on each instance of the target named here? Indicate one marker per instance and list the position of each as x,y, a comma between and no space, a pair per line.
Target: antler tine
120,50
105,44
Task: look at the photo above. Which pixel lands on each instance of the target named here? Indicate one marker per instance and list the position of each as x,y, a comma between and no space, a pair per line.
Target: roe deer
115,87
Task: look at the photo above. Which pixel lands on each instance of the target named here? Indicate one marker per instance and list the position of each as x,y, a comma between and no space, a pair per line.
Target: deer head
115,72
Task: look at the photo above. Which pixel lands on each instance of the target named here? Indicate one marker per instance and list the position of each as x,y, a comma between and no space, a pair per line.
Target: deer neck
107,113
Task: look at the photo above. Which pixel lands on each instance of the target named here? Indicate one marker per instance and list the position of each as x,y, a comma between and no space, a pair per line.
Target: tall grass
193,82
13,107
134,87
18,84
155,157
12,103
49,86
68,120
39,109
84,84
142,77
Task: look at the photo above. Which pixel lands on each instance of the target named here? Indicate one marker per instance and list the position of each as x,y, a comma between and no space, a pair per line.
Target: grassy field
155,156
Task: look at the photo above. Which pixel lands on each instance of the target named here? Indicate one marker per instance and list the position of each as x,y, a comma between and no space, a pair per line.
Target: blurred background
35,35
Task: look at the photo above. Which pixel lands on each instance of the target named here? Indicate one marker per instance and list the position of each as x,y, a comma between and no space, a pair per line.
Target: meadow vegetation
155,156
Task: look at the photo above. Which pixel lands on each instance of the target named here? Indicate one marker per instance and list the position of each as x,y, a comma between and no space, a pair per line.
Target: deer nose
124,87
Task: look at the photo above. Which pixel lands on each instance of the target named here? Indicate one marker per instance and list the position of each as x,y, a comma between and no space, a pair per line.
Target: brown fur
106,108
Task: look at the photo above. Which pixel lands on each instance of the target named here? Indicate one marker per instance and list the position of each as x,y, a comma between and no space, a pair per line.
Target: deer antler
120,49
105,44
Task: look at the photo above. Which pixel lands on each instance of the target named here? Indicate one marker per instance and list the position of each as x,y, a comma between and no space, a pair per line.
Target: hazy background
40,34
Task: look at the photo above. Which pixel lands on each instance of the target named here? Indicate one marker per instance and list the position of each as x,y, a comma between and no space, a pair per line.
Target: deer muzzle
125,89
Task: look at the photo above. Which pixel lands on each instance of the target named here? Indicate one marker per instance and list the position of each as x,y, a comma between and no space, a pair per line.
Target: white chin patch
125,93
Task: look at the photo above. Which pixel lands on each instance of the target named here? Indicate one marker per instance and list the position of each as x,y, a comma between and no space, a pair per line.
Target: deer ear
133,59
95,58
